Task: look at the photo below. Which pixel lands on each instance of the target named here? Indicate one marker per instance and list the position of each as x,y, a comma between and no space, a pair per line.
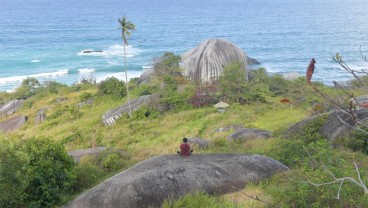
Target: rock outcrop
228,128
334,128
60,99
252,61
248,133
40,116
111,116
205,63
10,107
145,76
337,124
88,102
202,143
13,124
291,76
78,154
172,176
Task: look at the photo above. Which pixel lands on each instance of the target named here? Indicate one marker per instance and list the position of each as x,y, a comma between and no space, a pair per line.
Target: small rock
248,133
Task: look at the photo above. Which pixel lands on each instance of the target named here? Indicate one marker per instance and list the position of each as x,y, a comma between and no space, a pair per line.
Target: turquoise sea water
44,38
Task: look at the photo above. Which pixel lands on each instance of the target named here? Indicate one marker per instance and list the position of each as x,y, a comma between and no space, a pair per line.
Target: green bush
34,173
14,174
113,87
358,141
53,87
85,96
28,88
145,90
310,132
300,193
145,112
88,174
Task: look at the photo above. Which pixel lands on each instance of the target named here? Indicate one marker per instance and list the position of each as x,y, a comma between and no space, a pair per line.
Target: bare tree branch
359,183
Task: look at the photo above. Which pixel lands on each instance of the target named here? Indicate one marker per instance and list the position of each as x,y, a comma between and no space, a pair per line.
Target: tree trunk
126,82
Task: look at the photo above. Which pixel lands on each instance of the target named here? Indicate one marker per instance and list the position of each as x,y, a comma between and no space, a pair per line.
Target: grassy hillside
143,137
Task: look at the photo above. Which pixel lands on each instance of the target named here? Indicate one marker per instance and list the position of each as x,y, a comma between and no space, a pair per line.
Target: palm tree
126,26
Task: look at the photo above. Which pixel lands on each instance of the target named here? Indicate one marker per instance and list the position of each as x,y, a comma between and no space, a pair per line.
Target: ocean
45,39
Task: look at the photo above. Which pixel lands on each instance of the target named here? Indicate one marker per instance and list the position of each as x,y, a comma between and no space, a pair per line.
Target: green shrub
288,152
358,141
112,160
319,157
28,88
145,112
310,131
87,174
145,90
34,173
113,87
14,174
85,96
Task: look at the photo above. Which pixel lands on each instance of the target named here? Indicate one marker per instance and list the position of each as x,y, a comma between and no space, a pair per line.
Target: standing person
185,148
310,70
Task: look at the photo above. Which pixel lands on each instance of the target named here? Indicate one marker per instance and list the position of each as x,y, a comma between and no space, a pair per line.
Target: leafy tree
112,86
168,64
126,26
14,172
27,89
233,82
53,87
51,172
34,173
85,96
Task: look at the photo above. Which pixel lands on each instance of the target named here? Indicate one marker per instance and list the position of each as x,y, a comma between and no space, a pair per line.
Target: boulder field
171,176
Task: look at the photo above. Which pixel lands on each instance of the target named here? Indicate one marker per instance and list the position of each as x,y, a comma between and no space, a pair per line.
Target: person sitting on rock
185,148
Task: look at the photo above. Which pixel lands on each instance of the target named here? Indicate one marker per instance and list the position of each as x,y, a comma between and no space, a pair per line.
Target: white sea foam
147,67
35,61
86,70
17,79
114,50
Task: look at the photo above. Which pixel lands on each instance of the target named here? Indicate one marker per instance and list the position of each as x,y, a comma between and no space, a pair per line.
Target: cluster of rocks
15,123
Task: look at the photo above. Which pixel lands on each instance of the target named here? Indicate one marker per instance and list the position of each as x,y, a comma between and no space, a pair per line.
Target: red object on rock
363,105
285,100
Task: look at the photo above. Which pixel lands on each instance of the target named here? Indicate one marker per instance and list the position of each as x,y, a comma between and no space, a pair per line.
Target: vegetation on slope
186,110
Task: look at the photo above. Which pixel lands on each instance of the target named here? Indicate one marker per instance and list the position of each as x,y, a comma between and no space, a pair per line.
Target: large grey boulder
336,125
78,154
252,61
297,128
202,143
340,124
172,176
111,116
11,107
245,134
205,63
13,124
146,76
